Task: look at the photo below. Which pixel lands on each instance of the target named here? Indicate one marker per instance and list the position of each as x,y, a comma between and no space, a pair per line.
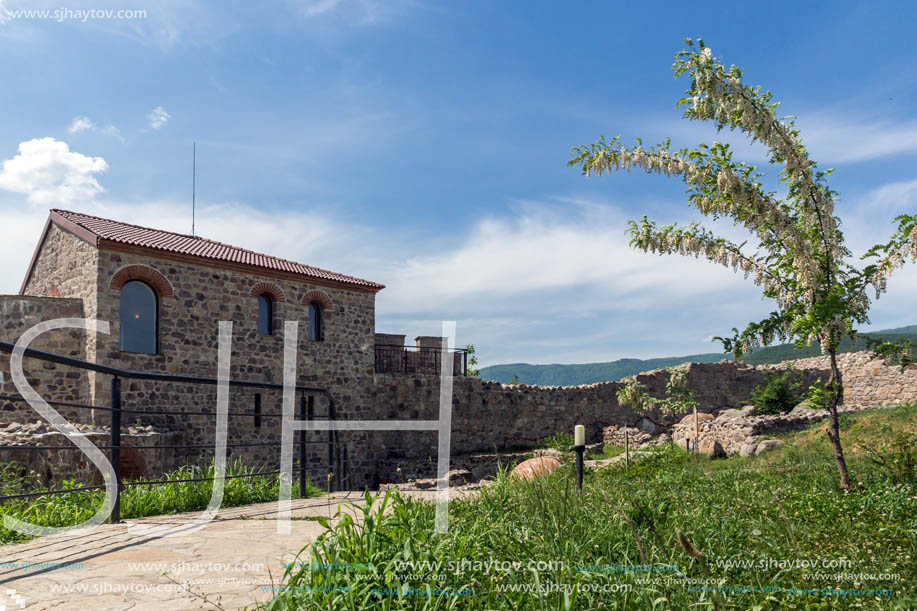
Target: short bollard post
579,446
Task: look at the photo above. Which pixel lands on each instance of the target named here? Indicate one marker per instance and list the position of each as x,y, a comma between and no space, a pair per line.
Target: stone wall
868,382
51,381
616,435
51,467
490,416
342,362
67,266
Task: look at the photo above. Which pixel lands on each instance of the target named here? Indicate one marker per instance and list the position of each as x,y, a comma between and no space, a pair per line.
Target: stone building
163,293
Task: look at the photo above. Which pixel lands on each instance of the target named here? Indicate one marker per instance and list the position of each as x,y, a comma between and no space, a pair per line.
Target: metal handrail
115,446
392,349
407,347
140,375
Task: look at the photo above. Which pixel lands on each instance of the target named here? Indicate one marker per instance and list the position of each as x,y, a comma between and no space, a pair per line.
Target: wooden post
696,431
626,449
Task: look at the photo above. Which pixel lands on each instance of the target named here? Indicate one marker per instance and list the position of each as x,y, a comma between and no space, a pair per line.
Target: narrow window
257,410
316,333
138,318
265,315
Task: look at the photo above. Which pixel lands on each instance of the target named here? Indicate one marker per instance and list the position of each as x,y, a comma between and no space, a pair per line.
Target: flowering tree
679,397
800,260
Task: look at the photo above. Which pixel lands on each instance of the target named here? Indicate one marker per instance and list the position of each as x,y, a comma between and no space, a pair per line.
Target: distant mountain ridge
590,373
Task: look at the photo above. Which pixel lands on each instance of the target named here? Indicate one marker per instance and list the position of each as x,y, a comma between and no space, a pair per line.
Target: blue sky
424,145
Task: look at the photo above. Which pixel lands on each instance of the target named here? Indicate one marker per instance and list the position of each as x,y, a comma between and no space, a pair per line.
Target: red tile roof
167,241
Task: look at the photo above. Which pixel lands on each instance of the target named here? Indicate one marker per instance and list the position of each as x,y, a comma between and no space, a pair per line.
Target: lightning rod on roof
193,180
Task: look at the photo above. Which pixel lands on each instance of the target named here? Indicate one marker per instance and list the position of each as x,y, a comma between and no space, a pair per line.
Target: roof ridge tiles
197,246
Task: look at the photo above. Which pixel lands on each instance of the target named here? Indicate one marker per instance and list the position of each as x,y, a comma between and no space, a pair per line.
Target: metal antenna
193,181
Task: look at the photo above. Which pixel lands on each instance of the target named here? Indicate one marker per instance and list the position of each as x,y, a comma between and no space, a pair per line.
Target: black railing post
330,444
464,362
303,415
405,351
115,443
345,468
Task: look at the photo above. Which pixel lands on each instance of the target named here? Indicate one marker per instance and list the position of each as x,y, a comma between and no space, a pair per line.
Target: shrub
897,457
557,440
779,394
679,397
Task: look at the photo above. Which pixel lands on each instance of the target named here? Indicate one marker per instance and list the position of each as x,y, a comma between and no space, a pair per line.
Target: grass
610,451
136,501
687,522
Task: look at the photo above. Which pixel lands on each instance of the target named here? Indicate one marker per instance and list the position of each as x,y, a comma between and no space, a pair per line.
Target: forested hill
589,373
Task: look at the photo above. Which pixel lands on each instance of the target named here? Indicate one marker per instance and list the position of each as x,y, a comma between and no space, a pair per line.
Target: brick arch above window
318,297
141,272
268,288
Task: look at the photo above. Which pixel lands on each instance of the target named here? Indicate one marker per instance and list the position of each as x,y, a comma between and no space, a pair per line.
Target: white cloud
312,9
80,124
574,258
894,196
112,131
49,173
833,138
349,13
158,117
4,14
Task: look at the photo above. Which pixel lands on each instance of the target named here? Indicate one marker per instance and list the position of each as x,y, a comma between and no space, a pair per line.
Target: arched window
138,316
316,332
265,314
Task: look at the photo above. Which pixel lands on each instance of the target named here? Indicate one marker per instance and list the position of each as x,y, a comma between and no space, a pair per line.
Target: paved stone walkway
229,564
232,561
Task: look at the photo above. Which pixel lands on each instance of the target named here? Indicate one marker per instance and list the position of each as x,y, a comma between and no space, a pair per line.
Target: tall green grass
137,501
779,507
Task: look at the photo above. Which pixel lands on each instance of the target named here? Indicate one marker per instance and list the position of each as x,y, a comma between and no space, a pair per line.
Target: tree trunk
836,390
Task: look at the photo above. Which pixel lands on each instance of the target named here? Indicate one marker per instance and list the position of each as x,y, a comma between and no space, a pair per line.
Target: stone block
711,448
747,449
767,445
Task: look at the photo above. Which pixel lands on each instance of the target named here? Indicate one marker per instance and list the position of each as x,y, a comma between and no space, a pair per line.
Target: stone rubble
614,435
739,431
